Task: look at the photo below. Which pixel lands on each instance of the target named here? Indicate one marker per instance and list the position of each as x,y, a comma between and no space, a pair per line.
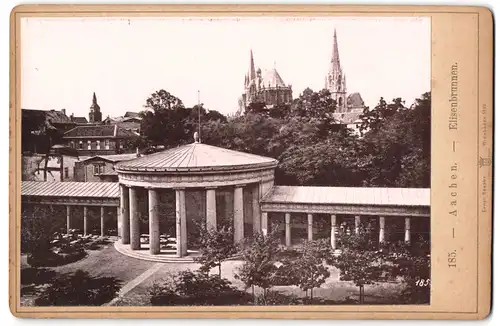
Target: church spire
95,114
335,53
252,67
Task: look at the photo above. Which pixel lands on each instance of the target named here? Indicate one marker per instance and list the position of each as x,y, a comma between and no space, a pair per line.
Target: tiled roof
347,117
354,100
108,173
130,114
79,120
272,78
349,196
51,116
197,157
113,158
98,131
70,189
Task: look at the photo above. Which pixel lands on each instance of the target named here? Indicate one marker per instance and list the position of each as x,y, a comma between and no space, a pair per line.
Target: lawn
105,262
108,263
332,290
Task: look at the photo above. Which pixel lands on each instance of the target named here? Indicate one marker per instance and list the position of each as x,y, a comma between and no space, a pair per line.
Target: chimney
63,111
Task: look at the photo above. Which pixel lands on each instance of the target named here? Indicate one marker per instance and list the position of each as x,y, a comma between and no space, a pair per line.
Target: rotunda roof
196,157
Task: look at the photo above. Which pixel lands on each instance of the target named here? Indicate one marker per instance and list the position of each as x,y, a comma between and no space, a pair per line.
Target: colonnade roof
349,196
196,157
70,189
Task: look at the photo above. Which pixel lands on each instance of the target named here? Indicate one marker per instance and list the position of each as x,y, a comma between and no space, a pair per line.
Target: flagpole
199,118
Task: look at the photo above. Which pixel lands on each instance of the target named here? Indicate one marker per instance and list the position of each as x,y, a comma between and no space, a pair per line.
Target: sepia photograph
225,161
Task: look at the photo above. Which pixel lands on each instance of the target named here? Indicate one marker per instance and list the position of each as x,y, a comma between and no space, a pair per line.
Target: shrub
216,245
260,256
276,298
197,288
79,289
52,259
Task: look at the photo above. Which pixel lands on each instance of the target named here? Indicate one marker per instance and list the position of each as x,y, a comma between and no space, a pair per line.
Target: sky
65,60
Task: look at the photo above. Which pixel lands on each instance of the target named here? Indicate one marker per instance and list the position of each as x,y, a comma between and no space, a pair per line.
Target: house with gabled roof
94,140
100,168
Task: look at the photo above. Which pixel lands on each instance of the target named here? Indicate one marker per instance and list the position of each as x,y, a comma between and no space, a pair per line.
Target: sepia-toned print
226,161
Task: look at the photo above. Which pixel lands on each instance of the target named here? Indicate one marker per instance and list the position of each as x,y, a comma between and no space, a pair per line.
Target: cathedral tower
335,81
95,114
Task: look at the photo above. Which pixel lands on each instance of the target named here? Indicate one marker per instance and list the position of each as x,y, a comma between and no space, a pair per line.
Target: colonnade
333,228
86,226
130,215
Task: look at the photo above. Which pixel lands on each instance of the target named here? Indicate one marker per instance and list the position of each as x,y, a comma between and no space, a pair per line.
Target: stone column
238,214
154,222
211,209
118,221
263,222
357,222
125,214
180,217
288,231
102,221
256,209
407,229
332,231
381,235
135,233
68,218
309,227
85,220
228,206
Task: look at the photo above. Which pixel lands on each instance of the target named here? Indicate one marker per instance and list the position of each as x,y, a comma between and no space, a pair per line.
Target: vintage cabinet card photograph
270,161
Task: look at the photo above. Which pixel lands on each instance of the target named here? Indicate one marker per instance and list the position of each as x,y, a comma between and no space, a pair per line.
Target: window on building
89,144
106,143
98,144
72,144
98,169
121,144
80,145
66,172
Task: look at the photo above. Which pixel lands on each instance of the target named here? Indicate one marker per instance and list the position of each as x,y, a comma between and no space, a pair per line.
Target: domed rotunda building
173,191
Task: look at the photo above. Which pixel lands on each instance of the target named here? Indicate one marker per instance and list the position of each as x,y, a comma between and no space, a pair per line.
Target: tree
166,121
260,257
37,229
331,162
162,121
317,107
163,100
372,119
309,266
360,261
412,263
216,245
396,144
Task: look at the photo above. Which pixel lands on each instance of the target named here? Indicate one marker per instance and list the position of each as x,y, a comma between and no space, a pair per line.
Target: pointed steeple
252,67
335,53
95,114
